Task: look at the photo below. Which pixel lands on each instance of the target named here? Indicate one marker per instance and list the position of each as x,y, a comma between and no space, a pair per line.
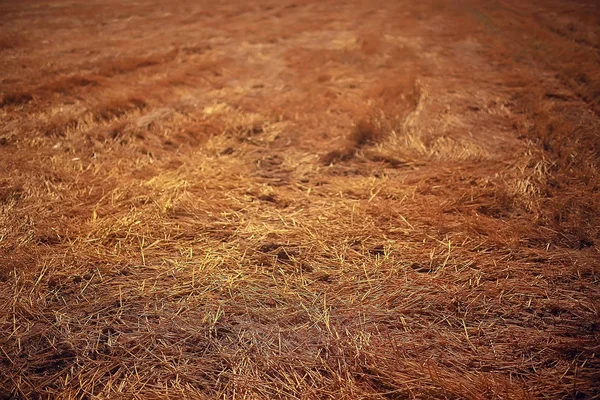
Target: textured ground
299,199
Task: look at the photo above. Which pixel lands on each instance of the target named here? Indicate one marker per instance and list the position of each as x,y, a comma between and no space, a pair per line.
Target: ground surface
299,199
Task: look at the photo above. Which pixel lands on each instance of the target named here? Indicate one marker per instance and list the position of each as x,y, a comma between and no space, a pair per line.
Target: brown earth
299,199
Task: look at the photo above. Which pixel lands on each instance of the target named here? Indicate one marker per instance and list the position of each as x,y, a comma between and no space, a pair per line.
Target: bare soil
299,199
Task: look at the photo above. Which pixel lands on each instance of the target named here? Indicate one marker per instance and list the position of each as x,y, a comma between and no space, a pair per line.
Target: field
299,199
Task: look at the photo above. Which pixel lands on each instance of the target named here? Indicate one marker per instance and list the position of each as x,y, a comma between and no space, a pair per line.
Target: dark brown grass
11,40
363,134
112,68
63,86
58,125
392,100
68,85
17,98
116,108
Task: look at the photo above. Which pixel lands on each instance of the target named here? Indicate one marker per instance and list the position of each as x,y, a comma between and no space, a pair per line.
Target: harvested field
299,199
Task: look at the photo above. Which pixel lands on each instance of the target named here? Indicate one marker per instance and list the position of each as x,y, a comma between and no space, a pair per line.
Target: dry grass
63,86
16,98
119,66
66,85
116,108
296,205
